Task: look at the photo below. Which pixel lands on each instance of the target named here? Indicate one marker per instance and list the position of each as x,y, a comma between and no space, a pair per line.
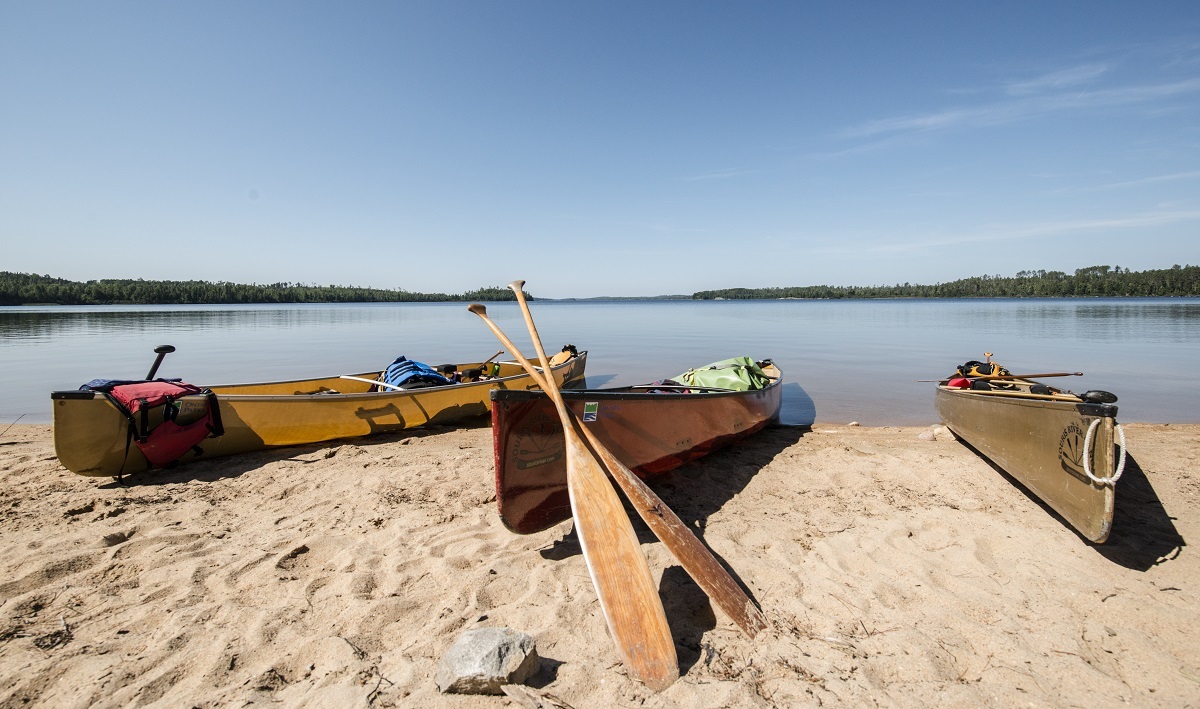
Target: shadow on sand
1143,534
233,466
694,491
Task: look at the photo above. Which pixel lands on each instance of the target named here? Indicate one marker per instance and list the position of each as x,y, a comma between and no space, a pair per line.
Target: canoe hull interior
1040,443
649,432
90,432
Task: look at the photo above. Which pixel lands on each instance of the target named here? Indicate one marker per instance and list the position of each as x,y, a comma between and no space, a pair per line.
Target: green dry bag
738,374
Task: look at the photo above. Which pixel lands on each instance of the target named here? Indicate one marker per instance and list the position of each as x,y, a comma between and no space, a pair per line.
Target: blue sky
596,148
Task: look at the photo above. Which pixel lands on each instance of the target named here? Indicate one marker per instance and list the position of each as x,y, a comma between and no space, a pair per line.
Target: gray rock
483,660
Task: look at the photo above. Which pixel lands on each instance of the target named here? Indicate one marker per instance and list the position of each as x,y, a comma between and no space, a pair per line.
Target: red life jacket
168,440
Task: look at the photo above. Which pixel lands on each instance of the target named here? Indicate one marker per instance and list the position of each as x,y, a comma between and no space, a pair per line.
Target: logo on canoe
591,409
538,443
190,409
1070,451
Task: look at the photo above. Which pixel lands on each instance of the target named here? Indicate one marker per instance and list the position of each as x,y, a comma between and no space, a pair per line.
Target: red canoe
650,430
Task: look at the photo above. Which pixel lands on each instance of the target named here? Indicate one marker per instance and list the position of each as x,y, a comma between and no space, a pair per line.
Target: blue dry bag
410,374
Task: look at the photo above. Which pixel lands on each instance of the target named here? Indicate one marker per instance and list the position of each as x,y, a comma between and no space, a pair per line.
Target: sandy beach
894,571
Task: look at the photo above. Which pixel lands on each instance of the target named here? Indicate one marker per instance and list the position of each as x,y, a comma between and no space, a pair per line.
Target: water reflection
32,324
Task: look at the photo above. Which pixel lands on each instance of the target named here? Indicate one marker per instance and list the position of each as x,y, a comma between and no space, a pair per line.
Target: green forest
31,289
1085,282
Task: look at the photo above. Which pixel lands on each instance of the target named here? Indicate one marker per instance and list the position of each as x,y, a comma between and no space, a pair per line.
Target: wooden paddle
695,558
1020,394
376,382
626,590
1011,376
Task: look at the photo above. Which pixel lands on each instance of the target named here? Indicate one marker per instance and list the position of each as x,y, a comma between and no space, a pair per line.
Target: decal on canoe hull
538,443
1070,451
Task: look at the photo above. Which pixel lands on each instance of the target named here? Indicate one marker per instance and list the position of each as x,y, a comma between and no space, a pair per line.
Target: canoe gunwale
67,394
621,394
636,392
1085,408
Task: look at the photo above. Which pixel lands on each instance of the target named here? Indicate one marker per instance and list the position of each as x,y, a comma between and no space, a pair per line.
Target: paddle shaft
376,382
695,558
1020,394
624,586
1013,376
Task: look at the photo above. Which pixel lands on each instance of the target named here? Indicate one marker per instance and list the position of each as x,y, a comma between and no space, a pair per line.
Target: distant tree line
1090,281
30,289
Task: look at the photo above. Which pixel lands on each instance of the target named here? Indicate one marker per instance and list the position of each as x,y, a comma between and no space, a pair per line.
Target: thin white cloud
866,147
1008,232
1173,177
1183,55
668,228
719,175
1022,108
1057,79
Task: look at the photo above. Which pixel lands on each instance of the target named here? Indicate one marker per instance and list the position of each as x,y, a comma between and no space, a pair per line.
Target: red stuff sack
163,423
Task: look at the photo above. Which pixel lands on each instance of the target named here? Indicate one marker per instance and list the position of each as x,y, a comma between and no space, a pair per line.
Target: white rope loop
1087,455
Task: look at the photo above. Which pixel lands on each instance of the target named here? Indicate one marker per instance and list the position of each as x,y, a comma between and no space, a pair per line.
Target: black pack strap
214,410
129,433
144,427
130,428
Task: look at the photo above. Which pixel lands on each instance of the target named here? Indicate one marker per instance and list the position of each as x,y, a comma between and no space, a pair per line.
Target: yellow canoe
91,433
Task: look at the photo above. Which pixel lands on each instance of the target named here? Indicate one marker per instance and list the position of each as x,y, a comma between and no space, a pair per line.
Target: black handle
161,351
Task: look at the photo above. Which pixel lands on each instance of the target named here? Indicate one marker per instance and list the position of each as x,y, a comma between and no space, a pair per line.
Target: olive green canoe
1061,446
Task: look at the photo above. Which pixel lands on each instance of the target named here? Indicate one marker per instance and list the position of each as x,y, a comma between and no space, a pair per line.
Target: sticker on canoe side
538,443
591,410
1070,451
190,409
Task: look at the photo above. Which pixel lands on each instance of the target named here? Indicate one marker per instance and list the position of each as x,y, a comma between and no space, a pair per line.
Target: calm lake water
843,360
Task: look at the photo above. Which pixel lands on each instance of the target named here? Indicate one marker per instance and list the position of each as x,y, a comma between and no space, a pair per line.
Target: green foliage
1090,281
32,289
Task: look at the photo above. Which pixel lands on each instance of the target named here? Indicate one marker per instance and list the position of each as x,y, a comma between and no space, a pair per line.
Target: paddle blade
693,556
624,586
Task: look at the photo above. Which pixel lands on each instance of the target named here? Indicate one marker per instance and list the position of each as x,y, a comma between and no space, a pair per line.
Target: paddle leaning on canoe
624,586
109,428
1060,445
